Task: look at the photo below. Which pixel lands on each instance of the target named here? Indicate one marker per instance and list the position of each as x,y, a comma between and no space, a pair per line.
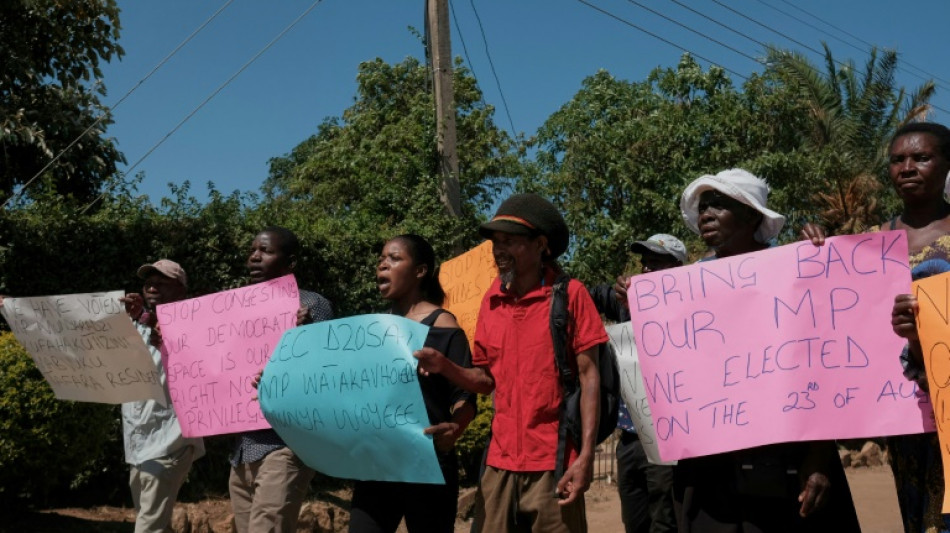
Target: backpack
609,393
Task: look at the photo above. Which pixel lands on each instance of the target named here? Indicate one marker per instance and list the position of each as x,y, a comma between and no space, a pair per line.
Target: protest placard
632,390
215,345
786,344
86,347
933,328
465,279
345,396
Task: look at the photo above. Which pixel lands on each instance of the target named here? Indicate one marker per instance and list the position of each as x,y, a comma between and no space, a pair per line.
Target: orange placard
465,279
933,328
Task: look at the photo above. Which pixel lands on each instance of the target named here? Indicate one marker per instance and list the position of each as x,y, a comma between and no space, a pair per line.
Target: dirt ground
872,489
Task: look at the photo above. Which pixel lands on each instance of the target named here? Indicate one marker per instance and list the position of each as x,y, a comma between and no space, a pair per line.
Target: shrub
471,445
45,443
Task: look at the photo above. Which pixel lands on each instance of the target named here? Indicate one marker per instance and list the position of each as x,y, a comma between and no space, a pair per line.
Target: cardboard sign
933,328
466,279
215,345
632,390
344,395
85,346
786,344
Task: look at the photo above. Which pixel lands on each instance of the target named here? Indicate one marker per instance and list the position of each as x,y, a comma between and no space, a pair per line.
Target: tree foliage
373,173
851,115
49,93
617,157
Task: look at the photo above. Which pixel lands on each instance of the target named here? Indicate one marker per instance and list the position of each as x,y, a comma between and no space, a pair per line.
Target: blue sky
541,50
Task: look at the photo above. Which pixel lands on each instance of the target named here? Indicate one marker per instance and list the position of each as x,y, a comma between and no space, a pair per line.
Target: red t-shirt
513,339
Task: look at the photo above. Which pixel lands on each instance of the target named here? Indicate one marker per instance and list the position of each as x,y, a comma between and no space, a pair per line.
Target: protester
918,165
268,481
797,486
514,356
160,457
646,489
407,277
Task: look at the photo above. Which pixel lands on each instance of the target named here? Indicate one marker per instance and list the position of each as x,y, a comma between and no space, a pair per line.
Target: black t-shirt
438,392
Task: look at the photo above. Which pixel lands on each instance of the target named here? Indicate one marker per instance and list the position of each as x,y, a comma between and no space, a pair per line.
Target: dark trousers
379,506
646,490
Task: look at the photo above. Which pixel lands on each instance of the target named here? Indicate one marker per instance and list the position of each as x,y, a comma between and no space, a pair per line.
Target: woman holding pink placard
795,486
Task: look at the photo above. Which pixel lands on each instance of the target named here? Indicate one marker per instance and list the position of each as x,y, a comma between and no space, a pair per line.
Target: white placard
86,347
632,390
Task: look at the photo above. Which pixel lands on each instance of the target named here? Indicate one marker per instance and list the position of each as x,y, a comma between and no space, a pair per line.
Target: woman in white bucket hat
796,486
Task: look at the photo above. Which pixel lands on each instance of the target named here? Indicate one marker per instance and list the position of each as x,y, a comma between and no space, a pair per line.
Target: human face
725,223
267,259
517,254
397,275
652,261
159,289
917,169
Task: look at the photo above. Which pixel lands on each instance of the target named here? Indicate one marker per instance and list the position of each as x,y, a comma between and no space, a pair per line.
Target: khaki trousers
155,486
522,502
266,495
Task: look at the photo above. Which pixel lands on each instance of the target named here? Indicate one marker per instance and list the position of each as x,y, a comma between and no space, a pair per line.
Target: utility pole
440,50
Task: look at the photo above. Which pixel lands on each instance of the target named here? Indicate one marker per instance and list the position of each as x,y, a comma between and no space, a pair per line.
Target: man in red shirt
514,356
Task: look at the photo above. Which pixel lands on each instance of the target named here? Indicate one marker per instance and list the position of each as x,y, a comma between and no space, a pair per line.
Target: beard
507,278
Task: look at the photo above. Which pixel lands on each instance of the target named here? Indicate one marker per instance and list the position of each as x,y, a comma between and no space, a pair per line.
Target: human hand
303,316
904,316
814,233
815,494
575,481
155,337
444,435
134,304
431,361
256,382
620,290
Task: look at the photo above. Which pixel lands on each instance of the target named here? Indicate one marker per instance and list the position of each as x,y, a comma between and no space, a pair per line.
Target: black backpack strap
559,320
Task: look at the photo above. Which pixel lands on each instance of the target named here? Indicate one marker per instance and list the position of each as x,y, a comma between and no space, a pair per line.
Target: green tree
617,157
373,173
851,115
49,93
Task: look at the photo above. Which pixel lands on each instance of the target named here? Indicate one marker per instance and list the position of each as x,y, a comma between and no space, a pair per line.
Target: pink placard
212,348
787,344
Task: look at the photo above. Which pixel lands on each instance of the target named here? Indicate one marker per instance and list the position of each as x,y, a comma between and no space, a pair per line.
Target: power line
119,102
721,24
665,40
825,22
812,26
215,92
803,45
471,67
697,32
491,64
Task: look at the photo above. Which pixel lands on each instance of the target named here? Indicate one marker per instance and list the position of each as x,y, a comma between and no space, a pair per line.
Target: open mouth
383,283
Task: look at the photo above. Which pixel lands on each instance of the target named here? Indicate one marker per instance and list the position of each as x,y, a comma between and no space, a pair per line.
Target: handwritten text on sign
214,346
632,390
786,344
344,395
465,279
933,328
85,346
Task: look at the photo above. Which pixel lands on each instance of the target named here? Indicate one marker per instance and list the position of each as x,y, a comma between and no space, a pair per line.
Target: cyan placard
345,396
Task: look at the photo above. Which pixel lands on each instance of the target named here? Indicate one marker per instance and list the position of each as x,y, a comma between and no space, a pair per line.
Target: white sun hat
737,184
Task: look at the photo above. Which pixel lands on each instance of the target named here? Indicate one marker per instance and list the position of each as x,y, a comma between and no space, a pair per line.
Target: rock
845,456
323,517
871,454
466,505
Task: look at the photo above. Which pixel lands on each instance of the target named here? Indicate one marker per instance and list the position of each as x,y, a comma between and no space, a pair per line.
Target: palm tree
852,116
